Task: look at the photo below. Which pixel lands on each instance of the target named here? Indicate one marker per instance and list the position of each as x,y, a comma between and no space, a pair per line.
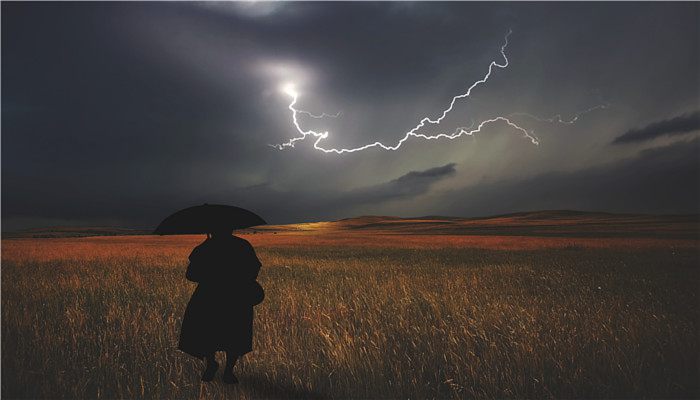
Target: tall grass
364,323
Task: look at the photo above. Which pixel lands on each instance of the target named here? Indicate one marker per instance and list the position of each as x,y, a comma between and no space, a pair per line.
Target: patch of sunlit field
364,316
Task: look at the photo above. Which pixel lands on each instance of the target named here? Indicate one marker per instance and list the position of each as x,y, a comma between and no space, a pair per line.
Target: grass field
362,316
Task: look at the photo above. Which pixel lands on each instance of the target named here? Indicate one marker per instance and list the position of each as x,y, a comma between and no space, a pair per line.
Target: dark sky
120,113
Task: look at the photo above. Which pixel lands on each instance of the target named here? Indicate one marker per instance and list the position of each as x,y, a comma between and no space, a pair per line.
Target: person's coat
219,315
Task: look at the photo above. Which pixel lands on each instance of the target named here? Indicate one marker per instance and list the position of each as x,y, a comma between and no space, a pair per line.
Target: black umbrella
207,218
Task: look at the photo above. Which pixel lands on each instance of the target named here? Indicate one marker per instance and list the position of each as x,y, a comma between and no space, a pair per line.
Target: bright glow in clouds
290,90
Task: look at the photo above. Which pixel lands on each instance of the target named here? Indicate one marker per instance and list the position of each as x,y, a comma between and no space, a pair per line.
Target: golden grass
100,318
170,249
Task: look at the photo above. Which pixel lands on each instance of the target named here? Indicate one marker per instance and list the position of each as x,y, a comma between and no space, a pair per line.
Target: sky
120,113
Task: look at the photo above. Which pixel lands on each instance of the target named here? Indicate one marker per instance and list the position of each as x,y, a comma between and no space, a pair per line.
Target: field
364,314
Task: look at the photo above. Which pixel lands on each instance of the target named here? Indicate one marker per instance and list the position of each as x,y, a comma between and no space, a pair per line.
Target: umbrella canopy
207,218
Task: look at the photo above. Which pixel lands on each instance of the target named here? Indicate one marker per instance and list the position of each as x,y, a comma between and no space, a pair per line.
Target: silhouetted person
219,316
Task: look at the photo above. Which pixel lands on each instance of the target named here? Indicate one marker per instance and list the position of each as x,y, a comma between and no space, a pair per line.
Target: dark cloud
409,185
675,126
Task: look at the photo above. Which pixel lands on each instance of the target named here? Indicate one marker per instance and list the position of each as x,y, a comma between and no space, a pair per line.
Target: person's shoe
230,378
210,371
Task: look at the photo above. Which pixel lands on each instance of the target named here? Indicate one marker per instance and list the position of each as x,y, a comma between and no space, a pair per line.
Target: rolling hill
537,223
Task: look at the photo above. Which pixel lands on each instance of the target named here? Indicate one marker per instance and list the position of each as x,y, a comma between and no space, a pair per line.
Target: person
219,315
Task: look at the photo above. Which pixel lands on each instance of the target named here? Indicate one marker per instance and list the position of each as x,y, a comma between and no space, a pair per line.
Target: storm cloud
412,184
120,113
675,126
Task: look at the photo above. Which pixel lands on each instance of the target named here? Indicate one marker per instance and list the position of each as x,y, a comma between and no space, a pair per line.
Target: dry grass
100,317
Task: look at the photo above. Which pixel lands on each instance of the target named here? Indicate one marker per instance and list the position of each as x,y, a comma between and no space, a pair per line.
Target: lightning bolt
290,90
320,116
558,118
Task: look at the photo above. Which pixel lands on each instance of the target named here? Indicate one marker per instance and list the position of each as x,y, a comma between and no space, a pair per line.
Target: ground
364,312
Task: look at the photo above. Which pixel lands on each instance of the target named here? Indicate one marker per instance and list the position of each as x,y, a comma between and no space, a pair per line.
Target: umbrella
207,218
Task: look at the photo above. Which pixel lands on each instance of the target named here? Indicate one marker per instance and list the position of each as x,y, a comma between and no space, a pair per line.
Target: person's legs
210,370
231,359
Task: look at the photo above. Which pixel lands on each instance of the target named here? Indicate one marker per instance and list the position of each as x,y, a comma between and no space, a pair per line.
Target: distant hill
535,223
